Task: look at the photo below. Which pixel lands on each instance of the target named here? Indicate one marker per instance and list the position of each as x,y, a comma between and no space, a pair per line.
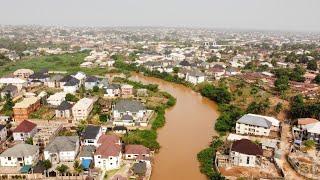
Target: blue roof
86,163
25,169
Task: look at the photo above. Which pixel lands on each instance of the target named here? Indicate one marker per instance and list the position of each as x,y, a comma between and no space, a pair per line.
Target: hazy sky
295,15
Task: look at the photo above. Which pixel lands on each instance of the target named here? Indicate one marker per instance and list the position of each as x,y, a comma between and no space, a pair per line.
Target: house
80,76
71,86
26,129
119,129
91,135
129,113
64,110
39,77
195,77
133,151
54,81
217,71
82,109
91,81
3,132
18,82
10,90
108,154
112,90
62,149
126,90
258,125
23,73
21,110
57,98
311,132
20,155
245,153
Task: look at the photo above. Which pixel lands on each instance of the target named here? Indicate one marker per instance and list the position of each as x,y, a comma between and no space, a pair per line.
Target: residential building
195,77
21,110
245,153
57,98
20,155
62,149
112,90
82,109
26,129
90,82
71,86
127,90
54,81
64,110
129,113
23,73
108,154
91,135
10,90
258,125
18,82
134,151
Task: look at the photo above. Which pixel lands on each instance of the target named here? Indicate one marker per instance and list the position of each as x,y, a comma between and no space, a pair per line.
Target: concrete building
82,109
26,129
19,155
21,110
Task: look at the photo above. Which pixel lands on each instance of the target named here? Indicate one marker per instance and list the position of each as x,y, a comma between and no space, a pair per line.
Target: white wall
254,130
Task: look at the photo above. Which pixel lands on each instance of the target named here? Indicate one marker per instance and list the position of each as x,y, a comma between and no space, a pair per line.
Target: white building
108,155
20,83
245,153
91,135
20,155
62,149
256,125
24,130
82,109
57,98
3,132
112,90
195,77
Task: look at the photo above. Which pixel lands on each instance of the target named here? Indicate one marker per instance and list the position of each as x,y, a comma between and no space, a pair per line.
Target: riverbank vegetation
148,138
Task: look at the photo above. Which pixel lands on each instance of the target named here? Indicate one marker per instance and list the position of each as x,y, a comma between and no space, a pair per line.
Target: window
248,160
9,158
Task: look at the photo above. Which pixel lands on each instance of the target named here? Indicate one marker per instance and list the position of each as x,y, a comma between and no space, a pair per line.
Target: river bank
189,129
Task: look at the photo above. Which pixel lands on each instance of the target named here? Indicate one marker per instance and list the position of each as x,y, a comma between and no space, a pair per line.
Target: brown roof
108,139
25,126
136,149
106,150
245,146
305,121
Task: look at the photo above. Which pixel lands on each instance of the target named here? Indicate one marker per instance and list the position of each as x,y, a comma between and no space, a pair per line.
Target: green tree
71,98
282,84
212,59
8,106
95,89
29,141
312,65
317,79
176,69
278,107
47,164
77,167
103,117
62,168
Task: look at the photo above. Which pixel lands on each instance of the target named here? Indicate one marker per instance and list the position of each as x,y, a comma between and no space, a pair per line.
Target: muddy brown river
188,129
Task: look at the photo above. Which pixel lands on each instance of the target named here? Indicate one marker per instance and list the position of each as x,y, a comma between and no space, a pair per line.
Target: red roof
136,149
109,146
108,139
106,150
25,126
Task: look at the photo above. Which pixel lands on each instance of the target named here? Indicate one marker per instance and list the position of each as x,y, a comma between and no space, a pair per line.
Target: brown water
188,130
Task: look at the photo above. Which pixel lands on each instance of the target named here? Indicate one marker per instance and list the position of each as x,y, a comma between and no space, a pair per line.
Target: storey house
112,90
3,132
10,90
54,81
19,155
129,113
18,82
245,153
258,125
22,110
64,110
82,109
62,149
23,73
90,82
135,151
108,154
26,129
91,135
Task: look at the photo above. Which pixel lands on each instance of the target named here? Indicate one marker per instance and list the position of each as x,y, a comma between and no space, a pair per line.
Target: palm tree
62,169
